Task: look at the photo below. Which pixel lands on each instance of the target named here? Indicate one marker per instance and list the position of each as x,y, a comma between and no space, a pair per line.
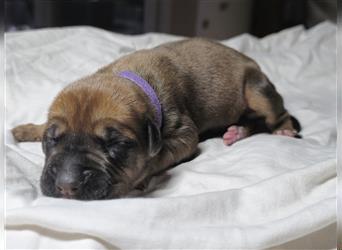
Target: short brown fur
201,85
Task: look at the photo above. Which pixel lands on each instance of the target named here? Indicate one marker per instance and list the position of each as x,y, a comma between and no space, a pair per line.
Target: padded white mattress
264,191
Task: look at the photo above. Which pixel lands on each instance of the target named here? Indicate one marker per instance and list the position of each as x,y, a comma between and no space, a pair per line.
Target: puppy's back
203,77
216,74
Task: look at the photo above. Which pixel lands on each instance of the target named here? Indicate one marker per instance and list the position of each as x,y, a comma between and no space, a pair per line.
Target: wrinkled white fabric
261,192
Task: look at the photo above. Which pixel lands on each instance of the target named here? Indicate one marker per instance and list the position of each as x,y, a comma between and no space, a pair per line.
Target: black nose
67,185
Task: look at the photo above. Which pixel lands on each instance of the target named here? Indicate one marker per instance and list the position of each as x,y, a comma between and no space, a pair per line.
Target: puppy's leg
178,145
262,97
28,132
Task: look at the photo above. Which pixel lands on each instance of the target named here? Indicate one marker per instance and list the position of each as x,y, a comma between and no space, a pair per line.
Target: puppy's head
95,154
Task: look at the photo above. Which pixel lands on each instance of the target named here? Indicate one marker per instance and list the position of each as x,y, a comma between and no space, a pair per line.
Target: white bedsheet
261,192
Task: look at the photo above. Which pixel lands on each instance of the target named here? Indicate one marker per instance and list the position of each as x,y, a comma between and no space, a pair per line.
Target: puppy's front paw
27,132
233,134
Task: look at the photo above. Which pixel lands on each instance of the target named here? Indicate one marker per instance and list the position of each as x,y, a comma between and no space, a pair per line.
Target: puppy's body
198,78
201,85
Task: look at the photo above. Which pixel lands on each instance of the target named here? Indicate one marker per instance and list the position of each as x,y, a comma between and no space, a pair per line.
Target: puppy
110,132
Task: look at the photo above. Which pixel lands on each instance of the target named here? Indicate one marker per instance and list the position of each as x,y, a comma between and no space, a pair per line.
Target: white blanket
261,192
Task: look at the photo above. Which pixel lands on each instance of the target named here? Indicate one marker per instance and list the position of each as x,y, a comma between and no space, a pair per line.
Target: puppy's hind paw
233,134
286,132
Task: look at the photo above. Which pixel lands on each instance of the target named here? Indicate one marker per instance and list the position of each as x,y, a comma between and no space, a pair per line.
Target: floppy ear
154,140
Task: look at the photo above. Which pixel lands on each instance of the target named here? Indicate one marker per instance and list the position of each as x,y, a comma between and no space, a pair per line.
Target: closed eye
52,140
120,143
119,149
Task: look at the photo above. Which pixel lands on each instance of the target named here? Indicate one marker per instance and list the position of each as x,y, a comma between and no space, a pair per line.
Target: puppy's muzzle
69,184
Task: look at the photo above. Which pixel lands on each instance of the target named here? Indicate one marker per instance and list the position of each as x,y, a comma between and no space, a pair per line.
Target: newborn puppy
109,133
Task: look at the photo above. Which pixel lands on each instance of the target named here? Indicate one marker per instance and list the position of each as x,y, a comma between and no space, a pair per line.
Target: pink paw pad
286,132
233,134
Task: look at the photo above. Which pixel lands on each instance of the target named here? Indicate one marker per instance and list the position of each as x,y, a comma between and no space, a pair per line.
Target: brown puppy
101,139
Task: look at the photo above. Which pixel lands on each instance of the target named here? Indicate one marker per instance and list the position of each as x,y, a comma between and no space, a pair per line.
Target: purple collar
149,91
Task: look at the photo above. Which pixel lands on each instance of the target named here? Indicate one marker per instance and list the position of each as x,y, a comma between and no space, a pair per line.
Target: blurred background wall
218,19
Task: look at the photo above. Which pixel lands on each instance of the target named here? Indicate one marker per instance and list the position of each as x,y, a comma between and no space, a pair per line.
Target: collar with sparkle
149,91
